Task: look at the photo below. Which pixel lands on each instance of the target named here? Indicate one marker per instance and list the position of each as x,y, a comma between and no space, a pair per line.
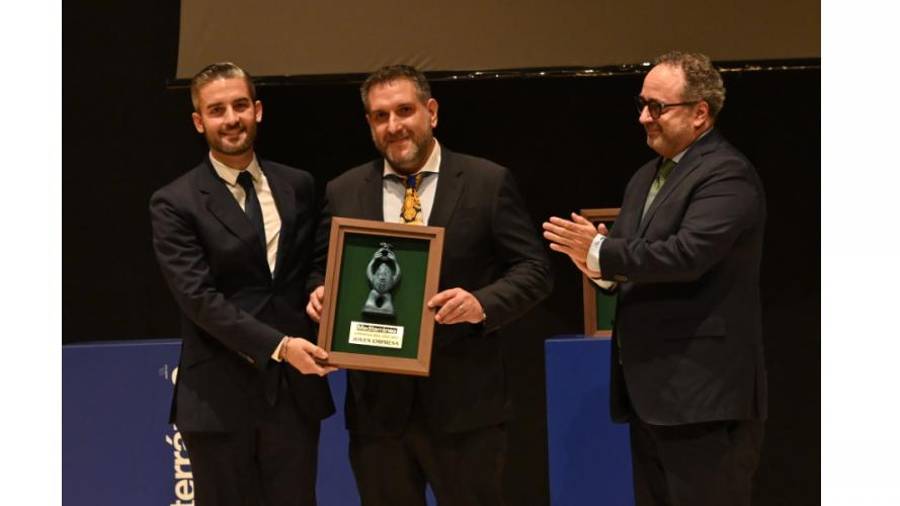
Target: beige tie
658,182
412,208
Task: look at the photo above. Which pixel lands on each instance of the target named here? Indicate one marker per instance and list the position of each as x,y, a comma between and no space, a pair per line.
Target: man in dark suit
683,255
446,429
233,238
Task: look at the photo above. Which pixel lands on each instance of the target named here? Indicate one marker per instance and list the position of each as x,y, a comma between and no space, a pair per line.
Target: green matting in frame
605,308
599,308
408,294
377,283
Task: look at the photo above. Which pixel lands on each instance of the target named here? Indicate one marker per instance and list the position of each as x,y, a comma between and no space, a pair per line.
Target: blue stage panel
118,448
589,456
115,405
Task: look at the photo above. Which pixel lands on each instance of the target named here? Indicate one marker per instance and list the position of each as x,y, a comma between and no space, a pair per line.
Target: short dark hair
392,73
221,70
701,79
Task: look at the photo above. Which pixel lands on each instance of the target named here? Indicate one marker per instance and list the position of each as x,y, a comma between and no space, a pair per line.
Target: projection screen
308,38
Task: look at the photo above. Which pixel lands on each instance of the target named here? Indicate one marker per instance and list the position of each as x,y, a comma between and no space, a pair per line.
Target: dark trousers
463,469
695,465
271,464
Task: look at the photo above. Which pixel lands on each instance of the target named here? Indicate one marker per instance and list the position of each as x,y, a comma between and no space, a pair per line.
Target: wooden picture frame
344,329
599,308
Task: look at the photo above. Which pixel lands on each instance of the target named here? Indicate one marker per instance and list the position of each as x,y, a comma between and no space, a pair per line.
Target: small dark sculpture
384,274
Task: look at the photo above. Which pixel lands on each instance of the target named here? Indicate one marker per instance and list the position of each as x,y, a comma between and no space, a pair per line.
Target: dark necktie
252,207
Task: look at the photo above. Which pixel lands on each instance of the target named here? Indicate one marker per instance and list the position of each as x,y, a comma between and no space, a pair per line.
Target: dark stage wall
571,142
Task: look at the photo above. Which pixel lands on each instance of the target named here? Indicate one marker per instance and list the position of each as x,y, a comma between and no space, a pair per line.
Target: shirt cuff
593,262
276,355
593,256
604,284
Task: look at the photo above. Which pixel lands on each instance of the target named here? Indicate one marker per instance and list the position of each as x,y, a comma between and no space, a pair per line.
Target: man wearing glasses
683,257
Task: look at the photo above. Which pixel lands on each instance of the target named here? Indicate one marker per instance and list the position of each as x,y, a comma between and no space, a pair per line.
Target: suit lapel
636,205
222,204
450,186
283,195
372,200
689,162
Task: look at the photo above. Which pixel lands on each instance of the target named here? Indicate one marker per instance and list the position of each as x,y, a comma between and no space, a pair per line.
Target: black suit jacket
491,249
688,323
234,311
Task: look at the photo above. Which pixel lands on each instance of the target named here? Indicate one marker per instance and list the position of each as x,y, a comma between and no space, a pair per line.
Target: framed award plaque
378,280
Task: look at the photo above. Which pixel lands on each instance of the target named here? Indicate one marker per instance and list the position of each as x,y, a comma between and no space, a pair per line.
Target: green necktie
658,182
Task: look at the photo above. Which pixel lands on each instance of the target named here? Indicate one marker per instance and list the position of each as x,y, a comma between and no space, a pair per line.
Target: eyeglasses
656,108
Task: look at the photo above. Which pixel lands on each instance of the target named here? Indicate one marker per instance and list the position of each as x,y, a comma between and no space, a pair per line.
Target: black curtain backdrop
572,143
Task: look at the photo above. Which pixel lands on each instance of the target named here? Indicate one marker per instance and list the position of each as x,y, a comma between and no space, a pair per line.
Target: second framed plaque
599,308
378,280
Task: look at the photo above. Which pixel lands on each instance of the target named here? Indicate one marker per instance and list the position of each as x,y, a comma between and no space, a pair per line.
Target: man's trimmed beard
416,157
217,144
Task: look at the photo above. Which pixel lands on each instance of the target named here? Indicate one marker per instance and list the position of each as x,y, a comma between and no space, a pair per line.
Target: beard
413,157
217,142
